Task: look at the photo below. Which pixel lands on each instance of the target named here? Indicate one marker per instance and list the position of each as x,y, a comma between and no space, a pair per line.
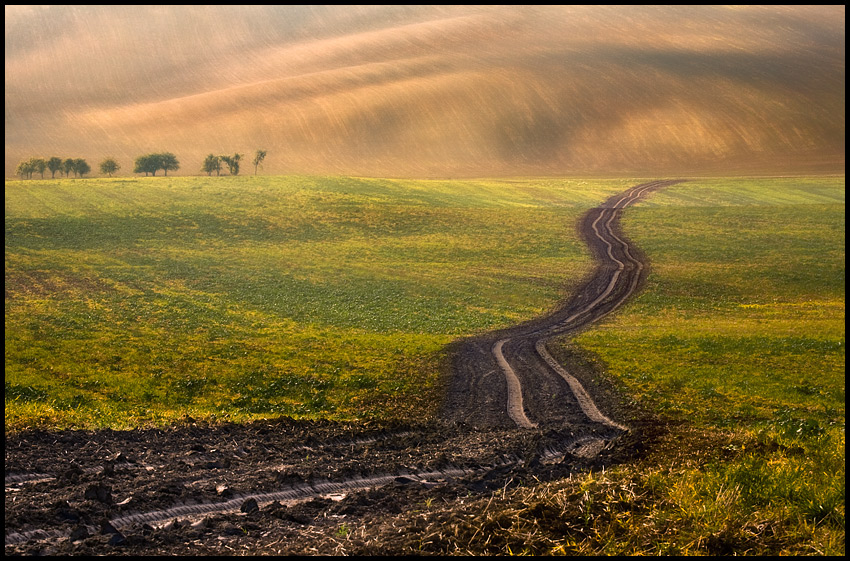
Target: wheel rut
537,390
512,410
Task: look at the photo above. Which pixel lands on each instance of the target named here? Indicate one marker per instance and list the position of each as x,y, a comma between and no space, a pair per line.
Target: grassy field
738,344
138,301
743,316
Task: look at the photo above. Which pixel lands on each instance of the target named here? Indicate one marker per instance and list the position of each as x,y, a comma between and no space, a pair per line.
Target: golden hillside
432,91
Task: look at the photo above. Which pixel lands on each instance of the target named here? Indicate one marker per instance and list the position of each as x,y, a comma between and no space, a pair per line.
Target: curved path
510,378
140,482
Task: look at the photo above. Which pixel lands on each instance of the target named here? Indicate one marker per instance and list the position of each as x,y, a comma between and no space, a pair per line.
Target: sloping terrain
432,91
197,488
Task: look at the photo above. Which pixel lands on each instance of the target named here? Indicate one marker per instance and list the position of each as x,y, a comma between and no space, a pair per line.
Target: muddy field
279,486
516,413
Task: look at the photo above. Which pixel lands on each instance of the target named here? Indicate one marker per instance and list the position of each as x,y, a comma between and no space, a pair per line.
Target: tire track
535,389
615,279
289,495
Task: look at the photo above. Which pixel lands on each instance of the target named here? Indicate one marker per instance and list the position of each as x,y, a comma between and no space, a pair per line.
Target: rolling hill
432,91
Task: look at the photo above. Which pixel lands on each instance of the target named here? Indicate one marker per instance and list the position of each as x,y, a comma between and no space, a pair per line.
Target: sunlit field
433,90
743,315
737,344
142,301
136,301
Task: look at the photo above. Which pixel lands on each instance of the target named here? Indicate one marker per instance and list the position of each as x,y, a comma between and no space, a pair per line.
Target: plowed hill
432,91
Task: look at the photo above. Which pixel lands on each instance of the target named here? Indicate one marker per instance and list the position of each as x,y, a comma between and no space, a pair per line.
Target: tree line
78,166
212,163
147,164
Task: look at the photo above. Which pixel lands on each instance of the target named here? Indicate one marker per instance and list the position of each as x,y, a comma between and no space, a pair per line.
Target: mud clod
250,506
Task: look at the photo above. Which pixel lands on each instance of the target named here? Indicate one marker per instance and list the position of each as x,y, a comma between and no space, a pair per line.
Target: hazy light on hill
431,90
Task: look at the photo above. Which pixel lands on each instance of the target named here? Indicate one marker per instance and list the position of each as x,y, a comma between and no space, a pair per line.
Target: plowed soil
515,413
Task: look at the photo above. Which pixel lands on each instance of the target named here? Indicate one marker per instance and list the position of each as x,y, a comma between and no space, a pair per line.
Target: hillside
432,91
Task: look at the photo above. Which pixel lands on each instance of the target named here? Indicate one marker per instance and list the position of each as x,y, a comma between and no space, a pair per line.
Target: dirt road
513,412
512,373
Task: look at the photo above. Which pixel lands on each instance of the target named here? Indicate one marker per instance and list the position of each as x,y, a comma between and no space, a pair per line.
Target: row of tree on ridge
78,166
212,163
147,164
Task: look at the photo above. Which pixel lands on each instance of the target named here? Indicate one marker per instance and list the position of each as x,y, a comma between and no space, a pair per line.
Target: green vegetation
109,166
212,163
151,163
148,164
134,301
142,300
26,168
737,343
54,164
259,156
742,319
232,162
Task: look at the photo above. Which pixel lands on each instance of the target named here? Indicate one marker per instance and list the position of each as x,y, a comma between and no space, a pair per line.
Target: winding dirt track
511,411
509,378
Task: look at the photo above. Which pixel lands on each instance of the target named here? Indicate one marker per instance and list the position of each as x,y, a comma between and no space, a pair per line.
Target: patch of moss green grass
736,348
737,344
133,301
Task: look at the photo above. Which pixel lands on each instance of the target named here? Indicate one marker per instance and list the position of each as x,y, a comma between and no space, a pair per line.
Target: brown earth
418,91
287,486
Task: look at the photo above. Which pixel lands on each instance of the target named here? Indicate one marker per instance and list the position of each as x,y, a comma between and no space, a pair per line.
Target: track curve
529,417
535,390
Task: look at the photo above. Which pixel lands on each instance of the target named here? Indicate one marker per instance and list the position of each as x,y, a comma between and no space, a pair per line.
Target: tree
232,163
54,164
68,166
109,166
150,163
168,161
81,166
38,165
24,169
212,163
146,164
258,159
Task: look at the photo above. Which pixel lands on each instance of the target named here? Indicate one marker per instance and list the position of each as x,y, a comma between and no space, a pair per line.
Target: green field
737,342
140,301
743,315
135,301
